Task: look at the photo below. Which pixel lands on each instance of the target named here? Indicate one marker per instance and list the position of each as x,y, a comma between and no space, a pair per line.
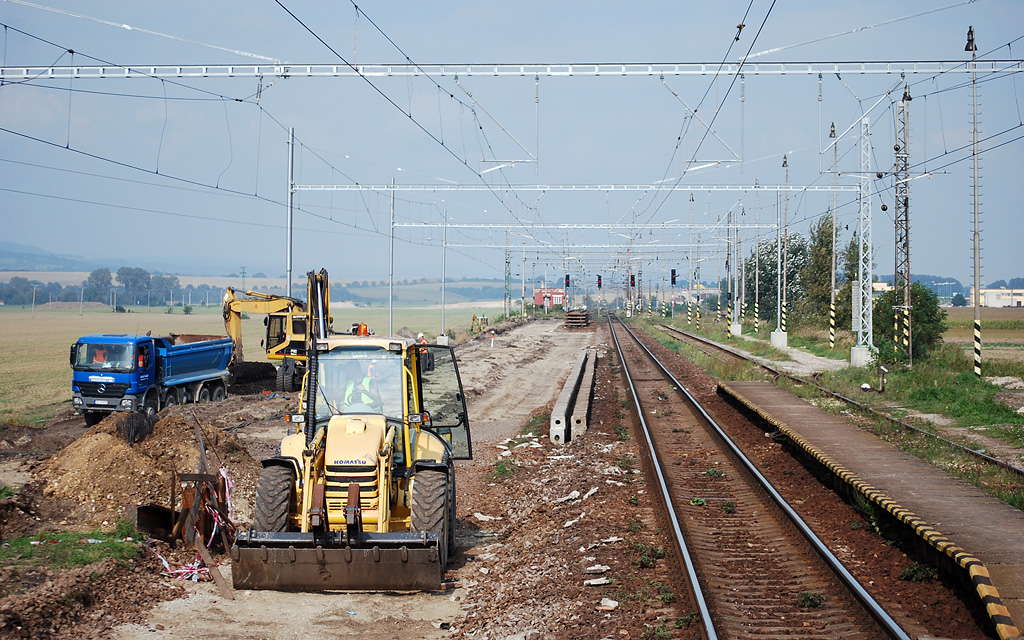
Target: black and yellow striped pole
906,335
832,323
689,312
698,314
977,346
757,316
783,315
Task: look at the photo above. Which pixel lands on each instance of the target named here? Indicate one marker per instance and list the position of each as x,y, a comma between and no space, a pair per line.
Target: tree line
129,286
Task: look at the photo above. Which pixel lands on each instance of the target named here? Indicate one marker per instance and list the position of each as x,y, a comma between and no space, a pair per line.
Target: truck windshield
116,357
359,381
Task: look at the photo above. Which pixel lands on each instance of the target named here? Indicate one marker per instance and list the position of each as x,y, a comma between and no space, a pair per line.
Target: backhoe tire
273,498
452,543
430,508
286,376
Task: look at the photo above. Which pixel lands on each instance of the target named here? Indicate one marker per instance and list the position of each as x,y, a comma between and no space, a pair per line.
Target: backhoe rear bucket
400,561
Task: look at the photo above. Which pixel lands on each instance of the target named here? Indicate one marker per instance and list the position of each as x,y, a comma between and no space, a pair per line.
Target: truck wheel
171,399
218,393
430,508
93,418
203,396
149,406
273,498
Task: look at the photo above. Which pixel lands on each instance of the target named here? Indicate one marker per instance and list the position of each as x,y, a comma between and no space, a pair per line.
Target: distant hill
943,286
22,257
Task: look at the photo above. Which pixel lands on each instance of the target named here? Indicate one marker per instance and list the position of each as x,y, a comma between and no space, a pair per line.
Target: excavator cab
362,495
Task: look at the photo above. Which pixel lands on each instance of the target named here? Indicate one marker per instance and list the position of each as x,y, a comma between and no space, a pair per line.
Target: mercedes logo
102,388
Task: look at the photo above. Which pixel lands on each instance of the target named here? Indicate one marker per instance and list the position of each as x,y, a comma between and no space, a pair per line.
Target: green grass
6,492
944,383
644,556
536,426
502,469
808,600
68,550
919,573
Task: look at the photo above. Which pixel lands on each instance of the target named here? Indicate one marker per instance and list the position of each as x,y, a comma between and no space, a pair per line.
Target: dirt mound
85,602
104,473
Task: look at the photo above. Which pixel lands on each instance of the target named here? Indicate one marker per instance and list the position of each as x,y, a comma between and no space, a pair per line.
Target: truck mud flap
302,562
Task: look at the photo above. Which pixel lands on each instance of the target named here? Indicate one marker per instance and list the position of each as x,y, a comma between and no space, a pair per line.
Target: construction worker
361,390
99,354
426,358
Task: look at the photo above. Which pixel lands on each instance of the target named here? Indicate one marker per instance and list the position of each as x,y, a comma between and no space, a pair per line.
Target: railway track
755,569
722,352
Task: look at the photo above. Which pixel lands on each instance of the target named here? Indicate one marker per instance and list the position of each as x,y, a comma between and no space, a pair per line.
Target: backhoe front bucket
289,561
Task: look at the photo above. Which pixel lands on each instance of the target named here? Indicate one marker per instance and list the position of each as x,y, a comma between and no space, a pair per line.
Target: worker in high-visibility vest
361,391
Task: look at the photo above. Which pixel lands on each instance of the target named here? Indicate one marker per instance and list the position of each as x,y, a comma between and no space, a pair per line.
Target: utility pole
291,211
901,279
835,231
444,275
860,355
757,259
391,265
785,247
973,48
689,273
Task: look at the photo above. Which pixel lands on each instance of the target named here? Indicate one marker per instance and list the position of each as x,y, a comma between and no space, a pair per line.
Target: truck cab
112,372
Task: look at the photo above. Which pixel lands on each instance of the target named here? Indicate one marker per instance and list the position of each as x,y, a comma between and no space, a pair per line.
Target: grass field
1002,332
35,375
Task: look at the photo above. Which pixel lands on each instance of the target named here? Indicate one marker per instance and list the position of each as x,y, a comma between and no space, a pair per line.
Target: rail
862,596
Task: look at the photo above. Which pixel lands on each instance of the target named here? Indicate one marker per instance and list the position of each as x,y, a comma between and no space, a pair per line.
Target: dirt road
505,381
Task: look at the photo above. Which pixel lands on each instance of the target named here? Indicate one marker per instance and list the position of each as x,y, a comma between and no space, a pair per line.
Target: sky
193,172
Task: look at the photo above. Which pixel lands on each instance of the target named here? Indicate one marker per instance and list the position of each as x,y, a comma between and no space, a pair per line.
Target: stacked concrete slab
572,409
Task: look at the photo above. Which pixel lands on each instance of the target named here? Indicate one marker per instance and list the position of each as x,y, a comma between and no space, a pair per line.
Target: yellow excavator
362,495
286,331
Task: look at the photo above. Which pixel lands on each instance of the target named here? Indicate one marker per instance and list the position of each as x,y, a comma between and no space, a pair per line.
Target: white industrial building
1000,297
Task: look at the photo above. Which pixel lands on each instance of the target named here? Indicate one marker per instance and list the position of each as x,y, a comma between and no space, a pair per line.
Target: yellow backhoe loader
362,495
286,331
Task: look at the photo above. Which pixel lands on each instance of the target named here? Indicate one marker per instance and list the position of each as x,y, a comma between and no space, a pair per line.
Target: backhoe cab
362,495
285,340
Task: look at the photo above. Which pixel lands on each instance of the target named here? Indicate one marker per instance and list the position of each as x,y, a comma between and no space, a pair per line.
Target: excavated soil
534,521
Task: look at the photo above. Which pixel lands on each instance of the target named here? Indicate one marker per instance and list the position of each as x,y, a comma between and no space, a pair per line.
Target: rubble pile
105,474
567,542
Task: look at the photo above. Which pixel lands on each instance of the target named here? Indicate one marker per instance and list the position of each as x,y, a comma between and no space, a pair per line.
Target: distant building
547,298
999,297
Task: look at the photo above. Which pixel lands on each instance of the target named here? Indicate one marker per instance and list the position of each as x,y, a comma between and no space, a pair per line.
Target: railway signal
598,282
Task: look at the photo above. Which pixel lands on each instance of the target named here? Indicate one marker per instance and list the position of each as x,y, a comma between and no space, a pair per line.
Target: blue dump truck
116,372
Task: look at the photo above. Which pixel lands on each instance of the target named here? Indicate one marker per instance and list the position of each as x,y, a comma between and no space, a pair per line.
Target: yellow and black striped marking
979,574
977,348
